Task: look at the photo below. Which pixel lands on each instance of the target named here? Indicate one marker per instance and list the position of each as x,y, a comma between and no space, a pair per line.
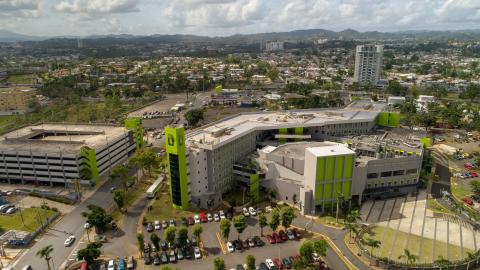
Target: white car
197,253
11,210
4,207
69,240
197,219
86,226
245,212
209,217
270,264
157,225
268,209
315,256
230,247
111,265
216,217
221,214
252,211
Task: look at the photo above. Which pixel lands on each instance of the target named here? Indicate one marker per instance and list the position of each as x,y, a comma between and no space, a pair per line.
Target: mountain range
296,35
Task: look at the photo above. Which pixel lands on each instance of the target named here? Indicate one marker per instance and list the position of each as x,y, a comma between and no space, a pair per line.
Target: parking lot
211,246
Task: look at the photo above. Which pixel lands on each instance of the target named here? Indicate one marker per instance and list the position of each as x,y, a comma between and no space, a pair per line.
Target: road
71,223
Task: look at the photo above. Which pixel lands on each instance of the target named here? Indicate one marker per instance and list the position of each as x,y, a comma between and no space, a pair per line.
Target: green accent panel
339,170
175,147
283,130
427,142
135,124
347,187
90,169
255,187
348,166
383,119
394,120
320,170
318,193
299,131
330,168
338,190
328,191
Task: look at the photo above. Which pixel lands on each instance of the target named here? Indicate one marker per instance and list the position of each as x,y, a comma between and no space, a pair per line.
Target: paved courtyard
405,222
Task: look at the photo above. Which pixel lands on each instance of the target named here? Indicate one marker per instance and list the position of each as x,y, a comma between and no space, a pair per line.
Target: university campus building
311,158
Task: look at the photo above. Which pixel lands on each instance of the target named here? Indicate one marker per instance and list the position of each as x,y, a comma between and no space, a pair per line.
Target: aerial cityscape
239,135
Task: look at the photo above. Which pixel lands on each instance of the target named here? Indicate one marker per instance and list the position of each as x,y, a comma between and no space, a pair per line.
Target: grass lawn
20,79
133,194
30,219
331,221
459,191
162,209
393,248
5,119
434,205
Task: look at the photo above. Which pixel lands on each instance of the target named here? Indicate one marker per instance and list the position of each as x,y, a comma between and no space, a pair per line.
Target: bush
55,209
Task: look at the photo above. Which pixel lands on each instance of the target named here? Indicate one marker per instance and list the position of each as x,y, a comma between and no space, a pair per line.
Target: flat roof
330,150
65,138
297,150
230,128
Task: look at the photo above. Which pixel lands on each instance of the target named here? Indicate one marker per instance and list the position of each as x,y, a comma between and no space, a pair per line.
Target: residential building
16,99
368,64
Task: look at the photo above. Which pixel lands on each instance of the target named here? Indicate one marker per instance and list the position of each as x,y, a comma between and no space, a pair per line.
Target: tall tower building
368,64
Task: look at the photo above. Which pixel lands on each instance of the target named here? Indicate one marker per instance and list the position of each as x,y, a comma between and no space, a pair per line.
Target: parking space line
222,244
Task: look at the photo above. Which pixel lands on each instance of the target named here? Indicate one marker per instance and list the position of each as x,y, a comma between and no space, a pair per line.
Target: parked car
147,259
184,222
263,266
239,267
297,233
278,263
474,174
315,256
146,248
188,253
229,215
276,237
197,253
172,258
197,219
270,264
268,209
171,223
245,244
69,241
150,227
230,247
164,257
245,212
156,259
164,224
180,255
203,217
283,235
216,217
164,245
157,225
221,214
287,263
194,241
191,221
86,226
209,217
11,210
238,244
468,201
5,207
111,265
259,242
130,263
251,243
252,211
290,235
271,239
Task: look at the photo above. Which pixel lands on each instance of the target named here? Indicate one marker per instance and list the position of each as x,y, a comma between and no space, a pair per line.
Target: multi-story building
3,74
58,153
274,46
368,64
16,99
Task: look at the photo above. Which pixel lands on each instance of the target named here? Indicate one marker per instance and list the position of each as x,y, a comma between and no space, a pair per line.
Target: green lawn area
393,248
162,209
20,79
134,193
459,191
434,205
4,119
30,219
329,220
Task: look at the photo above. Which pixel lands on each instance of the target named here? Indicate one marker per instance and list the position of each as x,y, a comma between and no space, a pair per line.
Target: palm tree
45,254
372,243
353,216
441,261
410,258
352,228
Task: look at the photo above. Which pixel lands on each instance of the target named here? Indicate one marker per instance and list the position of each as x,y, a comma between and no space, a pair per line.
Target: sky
229,17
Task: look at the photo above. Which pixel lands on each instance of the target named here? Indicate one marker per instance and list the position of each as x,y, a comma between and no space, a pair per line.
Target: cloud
14,5
98,6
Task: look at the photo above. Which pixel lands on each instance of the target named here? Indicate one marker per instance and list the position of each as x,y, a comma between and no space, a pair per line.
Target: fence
469,263
25,241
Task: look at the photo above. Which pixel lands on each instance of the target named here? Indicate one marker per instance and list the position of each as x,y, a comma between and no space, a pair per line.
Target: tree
197,230
372,243
352,228
90,253
225,228
287,215
155,240
165,267
262,222
250,262
396,89
475,185
274,219
194,116
44,253
219,264
169,234
409,257
353,216
182,235
97,217
140,243
119,199
442,262
121,172
306,251
240,223
146,160
320,247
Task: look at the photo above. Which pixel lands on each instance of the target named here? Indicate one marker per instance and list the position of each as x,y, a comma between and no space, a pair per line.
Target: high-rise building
368,64
16,98
274,46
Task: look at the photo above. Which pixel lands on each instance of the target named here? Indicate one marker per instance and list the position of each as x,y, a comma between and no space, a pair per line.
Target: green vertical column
283,131
299,131
89,170
177,166
255,187
135,124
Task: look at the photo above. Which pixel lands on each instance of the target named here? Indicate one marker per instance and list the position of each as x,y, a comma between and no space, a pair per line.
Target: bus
152,190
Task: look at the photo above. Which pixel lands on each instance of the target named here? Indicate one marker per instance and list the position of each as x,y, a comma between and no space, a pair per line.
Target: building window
372,175
386,174
399,172
412,171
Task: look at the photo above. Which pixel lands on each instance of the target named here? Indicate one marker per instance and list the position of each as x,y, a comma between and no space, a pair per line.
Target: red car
474,174
468,201
283,235
270,239
277,237
203,217
278,263
191,221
